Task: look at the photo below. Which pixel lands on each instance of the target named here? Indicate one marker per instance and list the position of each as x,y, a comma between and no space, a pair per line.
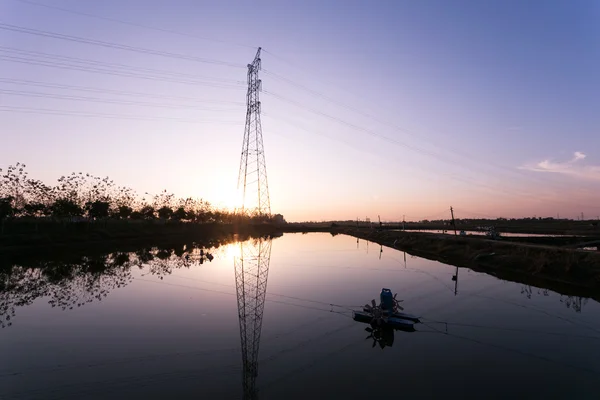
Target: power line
73,67
70,113
454,177
355,110
108,101
512,350
436,156
59,57
461,179
138,25
111,91
117,46
349,124
501,328
479,214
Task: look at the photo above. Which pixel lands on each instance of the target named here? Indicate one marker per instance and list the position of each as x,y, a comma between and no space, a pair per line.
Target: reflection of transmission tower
253,170
251,272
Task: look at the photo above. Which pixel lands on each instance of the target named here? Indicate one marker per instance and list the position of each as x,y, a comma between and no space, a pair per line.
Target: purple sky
492,107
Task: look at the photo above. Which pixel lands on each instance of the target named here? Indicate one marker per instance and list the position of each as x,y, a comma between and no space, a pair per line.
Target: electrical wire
520,352
117,46
445,148
109,101
115,92
424,152
451,176
501,328
537,309
104,71
475,213
70,113
278,77
138,25
234,294
110,65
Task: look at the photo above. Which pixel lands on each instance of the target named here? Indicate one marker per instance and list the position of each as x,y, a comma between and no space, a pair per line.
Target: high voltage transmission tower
253,170
252,267
251,273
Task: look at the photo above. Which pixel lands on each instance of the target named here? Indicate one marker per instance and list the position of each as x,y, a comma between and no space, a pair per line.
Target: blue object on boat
387,300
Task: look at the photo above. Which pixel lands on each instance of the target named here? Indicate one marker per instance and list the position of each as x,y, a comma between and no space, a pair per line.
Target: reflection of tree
162,262
73,281
67,285
574,302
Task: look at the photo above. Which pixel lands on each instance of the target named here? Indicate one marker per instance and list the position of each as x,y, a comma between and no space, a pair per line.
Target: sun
227,196
233,251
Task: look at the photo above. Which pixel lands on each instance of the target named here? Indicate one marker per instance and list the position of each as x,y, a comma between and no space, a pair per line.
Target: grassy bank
567,271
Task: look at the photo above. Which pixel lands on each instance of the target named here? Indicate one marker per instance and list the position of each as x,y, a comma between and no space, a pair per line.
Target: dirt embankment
567,271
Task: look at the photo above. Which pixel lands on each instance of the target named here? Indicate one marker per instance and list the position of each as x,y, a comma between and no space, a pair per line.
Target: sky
398,109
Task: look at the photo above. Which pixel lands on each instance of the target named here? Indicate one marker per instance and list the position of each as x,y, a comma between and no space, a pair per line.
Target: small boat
393,322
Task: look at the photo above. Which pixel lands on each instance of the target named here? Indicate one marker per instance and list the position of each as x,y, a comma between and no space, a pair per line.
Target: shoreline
563,270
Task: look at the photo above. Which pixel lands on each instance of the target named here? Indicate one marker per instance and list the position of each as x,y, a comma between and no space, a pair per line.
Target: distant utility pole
403,226
582,216
453,222
379,218
253,169
455,279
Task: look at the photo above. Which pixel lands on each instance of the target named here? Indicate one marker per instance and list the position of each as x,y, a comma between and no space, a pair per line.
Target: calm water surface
160,324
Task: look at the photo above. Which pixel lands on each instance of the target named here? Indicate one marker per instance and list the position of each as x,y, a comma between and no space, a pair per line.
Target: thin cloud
573,167
578,156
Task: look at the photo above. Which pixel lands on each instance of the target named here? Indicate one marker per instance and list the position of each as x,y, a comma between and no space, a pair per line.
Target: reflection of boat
392,322
400,315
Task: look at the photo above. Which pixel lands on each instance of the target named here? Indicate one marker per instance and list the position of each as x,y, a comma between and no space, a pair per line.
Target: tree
97,209
12,184
165,212
36,210
180,214
39,197
6,208
124,212
147,212
278,219
66,208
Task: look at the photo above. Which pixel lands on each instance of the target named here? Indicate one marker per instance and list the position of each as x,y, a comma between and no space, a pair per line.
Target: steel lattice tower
253,170
251,273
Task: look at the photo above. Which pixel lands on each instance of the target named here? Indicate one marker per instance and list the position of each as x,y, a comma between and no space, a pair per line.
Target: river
165,323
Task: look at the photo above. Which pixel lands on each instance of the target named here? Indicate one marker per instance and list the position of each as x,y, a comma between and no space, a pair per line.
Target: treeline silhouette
83,197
